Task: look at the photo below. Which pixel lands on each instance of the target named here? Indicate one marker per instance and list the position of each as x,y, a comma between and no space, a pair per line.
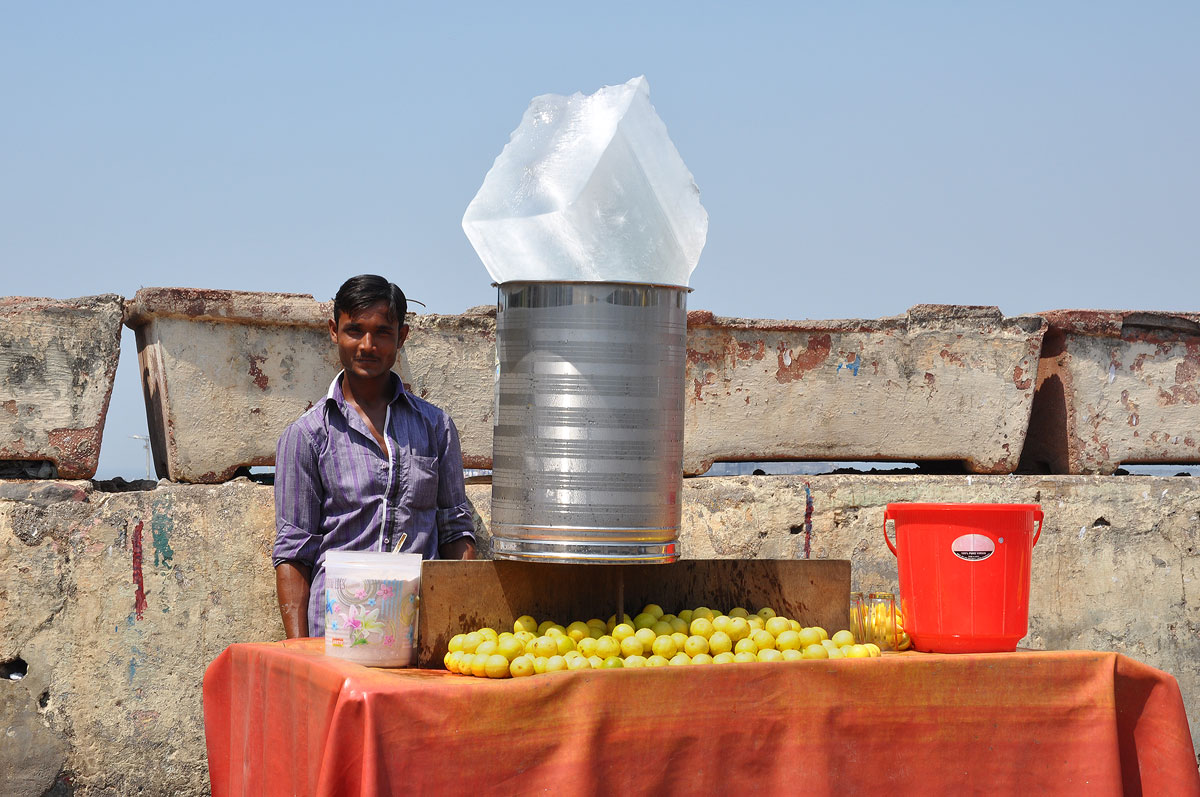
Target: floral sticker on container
370,620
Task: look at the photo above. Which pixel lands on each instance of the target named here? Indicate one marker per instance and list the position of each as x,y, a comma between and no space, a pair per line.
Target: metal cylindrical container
587,451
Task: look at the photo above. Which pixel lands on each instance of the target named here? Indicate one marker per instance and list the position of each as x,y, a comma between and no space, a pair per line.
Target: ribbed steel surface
587,450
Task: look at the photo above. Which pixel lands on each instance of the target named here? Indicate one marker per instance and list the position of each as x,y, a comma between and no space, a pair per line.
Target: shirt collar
335,390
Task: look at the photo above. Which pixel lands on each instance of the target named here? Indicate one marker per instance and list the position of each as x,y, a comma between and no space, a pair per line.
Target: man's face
368,340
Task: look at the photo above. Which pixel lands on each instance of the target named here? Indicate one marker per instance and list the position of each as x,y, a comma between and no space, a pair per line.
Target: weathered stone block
223,372
941,383
1116,387
58,358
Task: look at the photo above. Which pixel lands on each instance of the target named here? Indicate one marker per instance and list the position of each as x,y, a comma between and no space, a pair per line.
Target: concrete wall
117,601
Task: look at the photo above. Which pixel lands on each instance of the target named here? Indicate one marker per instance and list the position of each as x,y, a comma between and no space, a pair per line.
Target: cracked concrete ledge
117,601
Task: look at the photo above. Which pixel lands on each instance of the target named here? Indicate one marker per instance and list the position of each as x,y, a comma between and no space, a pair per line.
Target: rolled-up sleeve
454,517
298,497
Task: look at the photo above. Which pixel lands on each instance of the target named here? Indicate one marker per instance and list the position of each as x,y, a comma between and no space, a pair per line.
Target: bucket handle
889,522
1038,515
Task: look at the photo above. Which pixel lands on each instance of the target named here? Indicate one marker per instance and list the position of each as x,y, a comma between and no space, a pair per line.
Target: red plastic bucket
964,573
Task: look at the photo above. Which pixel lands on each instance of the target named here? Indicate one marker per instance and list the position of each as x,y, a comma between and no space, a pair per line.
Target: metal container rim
502,285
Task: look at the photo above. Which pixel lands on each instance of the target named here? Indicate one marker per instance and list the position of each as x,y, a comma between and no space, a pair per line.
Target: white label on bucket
973,547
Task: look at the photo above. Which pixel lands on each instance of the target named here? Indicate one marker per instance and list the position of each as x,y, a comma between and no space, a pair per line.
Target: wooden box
457,597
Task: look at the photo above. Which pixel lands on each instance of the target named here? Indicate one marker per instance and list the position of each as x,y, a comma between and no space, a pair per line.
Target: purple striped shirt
337,490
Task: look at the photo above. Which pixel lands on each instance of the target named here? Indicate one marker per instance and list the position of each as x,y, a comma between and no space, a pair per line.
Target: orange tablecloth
284,719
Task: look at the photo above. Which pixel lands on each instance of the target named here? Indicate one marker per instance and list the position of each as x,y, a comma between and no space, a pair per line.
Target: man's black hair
359,293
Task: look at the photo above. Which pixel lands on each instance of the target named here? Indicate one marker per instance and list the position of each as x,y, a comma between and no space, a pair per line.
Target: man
371,467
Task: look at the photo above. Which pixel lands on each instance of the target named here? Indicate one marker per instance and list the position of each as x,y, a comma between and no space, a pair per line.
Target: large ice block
589,188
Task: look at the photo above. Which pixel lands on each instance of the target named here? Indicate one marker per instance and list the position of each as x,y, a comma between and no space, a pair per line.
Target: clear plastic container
371,605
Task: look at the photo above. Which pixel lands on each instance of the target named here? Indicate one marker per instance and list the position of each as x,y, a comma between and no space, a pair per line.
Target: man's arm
298,494
455,524
292,585
462,548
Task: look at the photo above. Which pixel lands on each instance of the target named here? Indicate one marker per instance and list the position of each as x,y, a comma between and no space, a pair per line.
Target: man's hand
292,586
462,548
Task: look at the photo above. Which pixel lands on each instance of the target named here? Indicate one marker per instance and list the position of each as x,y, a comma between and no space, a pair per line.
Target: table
282,718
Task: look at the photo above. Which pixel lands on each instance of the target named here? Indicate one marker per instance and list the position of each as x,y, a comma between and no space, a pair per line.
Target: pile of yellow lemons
651,639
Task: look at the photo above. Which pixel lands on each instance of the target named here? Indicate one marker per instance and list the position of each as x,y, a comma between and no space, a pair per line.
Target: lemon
794,625
679,625
587,647
680,639
653,609
680,658
695,645
738,611
756,622
763,640
613,622
612,663
479,665
596,633
596,622
555,664
703,611
702,658
766,612
719,643
724,658
856,652
738,628
665,647
607,646
578,630
873,649
770,654
777,625
487,647
544,646
635,661
631,646
456,642
808,636
741,657
836,653
622,631
746,646
489,633
685,615
788,640
658,661
824,634
451,660
646,636
525,636
471,641
521,667
578,663
556,630
829,644
644,620
816,652
721,623
701,626
565,644
510,648
843,638
465,660
791,654
540,664
662,629
542,626
525,623
595,662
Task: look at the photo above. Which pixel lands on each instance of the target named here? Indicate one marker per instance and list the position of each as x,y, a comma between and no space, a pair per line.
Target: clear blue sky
855,159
